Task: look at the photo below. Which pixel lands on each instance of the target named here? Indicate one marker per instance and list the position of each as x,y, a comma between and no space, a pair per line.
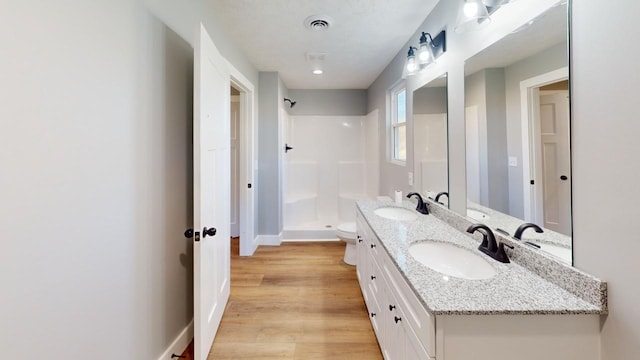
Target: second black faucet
422,206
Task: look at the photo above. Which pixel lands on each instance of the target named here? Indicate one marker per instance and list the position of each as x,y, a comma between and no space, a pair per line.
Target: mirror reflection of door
553,157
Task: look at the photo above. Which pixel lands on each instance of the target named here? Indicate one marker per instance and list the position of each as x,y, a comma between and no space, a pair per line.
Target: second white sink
452,260
396,213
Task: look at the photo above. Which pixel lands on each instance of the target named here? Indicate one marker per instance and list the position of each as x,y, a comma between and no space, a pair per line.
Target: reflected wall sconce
291,102
429,50
476,14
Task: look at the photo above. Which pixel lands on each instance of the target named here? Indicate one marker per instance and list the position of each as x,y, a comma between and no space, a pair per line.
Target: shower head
291,103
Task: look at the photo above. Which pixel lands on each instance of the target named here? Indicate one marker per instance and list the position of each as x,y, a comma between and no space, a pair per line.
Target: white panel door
211,189
235,166
555,161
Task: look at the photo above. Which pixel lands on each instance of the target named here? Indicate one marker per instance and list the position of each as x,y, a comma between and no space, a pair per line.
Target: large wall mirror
517,134
431,174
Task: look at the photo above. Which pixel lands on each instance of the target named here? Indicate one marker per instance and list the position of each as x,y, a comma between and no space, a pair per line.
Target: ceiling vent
318,22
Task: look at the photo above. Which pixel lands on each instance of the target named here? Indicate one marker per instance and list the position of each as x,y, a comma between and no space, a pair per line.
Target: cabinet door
394,331
412,346
362,256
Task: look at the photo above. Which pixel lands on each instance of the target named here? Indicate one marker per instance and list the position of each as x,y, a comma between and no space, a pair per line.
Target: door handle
208,232
563,177
190,234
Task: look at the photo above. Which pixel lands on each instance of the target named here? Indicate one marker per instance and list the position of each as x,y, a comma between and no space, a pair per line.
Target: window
398,126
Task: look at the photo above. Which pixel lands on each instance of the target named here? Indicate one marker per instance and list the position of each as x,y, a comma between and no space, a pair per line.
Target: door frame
530,111
247,121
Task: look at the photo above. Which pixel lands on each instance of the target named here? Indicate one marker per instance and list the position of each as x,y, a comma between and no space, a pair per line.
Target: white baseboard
270,240
311,240
180,343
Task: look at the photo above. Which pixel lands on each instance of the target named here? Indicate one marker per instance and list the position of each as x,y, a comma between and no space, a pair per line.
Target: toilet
347,233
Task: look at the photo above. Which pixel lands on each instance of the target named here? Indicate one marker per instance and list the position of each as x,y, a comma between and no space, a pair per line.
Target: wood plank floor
295,301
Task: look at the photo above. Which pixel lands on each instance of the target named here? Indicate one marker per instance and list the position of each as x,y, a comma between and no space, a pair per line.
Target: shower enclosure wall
333,163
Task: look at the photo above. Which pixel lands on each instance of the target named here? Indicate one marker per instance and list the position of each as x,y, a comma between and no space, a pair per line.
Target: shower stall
332,164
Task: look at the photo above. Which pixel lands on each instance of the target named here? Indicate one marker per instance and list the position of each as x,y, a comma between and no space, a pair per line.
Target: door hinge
532,182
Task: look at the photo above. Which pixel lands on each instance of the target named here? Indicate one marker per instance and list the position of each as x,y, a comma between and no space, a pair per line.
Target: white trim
180,343
392,121
248,110
532,194
270,240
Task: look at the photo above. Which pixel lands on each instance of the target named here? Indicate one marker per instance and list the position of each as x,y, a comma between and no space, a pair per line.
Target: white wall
605,80
327,162
95,159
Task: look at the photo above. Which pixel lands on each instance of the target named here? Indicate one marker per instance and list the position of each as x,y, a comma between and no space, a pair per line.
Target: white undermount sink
477,215
396,213
452,260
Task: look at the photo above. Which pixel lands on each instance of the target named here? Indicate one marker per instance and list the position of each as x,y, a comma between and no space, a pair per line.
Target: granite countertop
510,224
513,290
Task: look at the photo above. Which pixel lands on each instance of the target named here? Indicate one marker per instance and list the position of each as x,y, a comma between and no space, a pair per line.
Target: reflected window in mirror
430,140
398,126
517,124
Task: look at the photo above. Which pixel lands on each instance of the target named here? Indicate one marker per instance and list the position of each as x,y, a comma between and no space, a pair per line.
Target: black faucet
422,206
437,199
525,226
489,244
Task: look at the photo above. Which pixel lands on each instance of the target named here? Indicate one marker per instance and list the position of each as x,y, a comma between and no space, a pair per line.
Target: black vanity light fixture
429,50
476,14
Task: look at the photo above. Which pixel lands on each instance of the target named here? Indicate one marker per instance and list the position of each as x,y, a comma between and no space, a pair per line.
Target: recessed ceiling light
318,72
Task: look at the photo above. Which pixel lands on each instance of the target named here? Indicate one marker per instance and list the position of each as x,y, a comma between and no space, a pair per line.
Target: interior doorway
243,100
546,150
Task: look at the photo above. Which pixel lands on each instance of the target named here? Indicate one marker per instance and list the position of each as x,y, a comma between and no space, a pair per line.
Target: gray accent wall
486,90
96,175
271,91
430,100
269,203
340,102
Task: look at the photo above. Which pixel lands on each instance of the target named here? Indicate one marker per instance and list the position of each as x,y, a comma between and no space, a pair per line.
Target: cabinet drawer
375,317
413,311
375,278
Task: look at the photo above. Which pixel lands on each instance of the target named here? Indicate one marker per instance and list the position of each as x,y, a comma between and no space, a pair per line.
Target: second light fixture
429,50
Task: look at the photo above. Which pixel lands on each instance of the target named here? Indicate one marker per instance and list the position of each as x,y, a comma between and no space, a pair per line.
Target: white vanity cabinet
406,330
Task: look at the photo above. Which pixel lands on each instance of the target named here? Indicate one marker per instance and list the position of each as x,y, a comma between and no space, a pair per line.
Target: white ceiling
363,38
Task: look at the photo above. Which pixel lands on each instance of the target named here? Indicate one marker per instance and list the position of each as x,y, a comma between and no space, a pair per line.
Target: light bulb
423,54
411,65
318,72
470,9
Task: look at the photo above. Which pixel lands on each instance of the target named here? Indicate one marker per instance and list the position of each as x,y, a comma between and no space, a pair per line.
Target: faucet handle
501,255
